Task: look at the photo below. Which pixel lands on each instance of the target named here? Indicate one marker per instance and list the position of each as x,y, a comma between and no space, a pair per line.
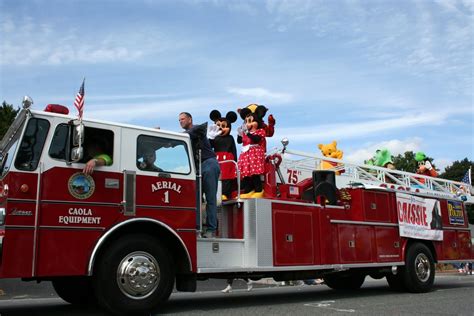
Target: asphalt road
452,295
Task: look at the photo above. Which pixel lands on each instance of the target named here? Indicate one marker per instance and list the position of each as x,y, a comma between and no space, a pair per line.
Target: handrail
237,175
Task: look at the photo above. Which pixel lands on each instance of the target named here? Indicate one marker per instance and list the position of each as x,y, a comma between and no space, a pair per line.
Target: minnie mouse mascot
270,127
224,147
252,157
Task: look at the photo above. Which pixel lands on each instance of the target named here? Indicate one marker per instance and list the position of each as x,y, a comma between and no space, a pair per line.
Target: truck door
76,209
165,181
24,181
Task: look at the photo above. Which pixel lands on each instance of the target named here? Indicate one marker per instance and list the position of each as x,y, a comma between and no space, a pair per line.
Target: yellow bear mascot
330,151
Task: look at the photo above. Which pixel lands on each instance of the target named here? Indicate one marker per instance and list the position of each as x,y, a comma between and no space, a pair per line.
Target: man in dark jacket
209,169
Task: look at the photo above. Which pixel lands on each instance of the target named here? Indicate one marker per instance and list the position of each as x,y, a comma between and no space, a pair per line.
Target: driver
148,163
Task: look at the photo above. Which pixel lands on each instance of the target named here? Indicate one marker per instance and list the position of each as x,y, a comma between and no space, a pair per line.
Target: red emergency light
57,108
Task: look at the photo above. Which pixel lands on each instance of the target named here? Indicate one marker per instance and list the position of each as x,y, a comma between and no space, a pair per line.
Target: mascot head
224,123
258,110
383,158
420,156
253,116
330,150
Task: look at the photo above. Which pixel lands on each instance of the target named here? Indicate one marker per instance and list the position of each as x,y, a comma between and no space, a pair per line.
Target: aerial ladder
298,165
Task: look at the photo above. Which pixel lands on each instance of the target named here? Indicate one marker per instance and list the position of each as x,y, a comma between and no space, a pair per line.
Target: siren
57,108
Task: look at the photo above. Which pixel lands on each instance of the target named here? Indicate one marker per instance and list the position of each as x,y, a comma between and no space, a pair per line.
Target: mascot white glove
428,165
241,130
213,131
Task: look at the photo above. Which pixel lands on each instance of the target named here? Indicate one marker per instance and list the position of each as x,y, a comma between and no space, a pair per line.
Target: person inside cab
147,161
96,152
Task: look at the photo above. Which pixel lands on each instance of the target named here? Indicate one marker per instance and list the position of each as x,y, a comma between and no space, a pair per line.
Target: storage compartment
464,242
450,245
388,244
355,243
377,206
293,242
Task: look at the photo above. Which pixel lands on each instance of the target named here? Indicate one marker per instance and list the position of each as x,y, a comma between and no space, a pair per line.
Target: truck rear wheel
419,269
75,290
134,275
344,282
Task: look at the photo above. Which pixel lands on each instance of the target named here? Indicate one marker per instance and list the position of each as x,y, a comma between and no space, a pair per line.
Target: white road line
327,305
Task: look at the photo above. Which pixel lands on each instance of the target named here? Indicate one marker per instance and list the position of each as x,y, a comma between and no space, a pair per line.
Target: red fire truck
124,236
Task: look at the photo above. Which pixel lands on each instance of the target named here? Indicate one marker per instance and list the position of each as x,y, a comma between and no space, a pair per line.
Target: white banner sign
419,217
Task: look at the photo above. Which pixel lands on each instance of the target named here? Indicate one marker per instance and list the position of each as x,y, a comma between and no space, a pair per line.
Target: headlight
2,215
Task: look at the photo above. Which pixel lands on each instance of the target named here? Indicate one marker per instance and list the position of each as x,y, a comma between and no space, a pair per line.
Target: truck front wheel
134,275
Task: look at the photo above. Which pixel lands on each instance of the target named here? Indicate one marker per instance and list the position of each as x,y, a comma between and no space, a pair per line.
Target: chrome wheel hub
138,275
422,267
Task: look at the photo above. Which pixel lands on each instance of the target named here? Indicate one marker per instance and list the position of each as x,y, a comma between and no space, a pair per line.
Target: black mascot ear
244,112
231,116
261,110
215,115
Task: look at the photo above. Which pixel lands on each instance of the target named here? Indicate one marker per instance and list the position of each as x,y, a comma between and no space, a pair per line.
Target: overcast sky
394,74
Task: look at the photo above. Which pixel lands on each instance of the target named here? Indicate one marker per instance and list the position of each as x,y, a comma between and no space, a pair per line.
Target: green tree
7,115
407,162
456,172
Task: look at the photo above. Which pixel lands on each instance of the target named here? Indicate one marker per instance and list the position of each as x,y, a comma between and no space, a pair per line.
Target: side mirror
77,134
76,154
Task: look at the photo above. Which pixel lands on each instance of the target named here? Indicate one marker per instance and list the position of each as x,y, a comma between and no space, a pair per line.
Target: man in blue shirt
209,169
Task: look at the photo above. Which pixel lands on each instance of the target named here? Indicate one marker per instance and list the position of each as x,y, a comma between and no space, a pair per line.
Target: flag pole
470,181
79,100
83,97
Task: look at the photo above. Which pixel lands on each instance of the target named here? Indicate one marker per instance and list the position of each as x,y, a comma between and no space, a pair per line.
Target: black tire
344,282
75,290
419,272
395,282
116,283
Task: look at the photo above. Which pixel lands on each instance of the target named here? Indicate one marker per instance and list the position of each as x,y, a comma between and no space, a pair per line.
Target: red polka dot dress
252,157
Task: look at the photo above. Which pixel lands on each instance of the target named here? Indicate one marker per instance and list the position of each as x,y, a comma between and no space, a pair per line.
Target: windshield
9,143
31,145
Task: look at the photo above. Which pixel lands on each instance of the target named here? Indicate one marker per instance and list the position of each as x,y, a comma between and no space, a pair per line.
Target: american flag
467,177
79,102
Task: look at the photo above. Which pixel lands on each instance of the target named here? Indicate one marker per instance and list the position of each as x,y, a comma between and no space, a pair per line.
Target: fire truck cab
125,235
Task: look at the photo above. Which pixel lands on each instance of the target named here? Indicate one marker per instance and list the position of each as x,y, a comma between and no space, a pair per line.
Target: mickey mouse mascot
224,147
